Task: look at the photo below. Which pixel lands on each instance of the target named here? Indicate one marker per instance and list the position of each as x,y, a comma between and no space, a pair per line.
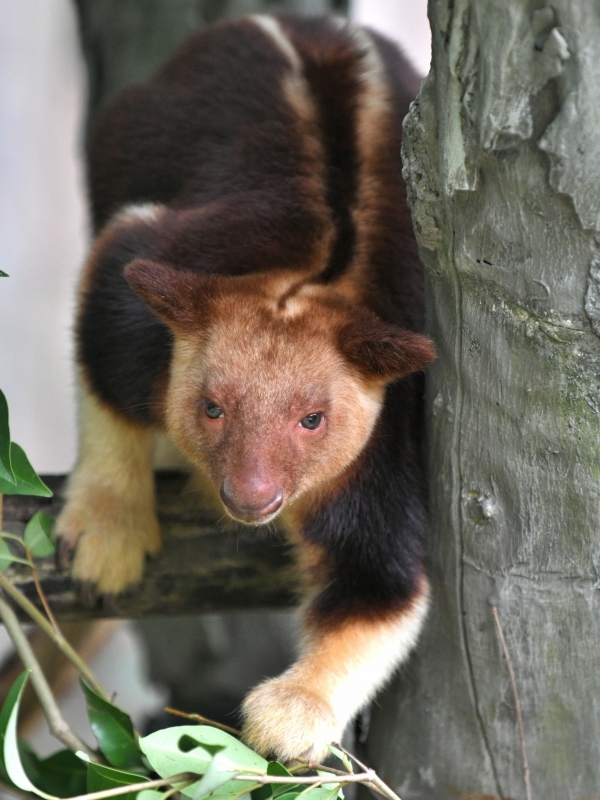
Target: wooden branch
205,565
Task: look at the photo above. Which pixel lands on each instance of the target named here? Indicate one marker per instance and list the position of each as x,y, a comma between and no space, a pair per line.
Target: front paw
110,538
283,719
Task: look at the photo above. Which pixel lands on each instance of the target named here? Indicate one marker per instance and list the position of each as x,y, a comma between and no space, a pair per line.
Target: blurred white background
43,226
43,239
42,222
404,21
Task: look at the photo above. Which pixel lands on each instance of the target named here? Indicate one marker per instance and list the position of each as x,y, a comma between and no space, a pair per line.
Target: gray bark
502,160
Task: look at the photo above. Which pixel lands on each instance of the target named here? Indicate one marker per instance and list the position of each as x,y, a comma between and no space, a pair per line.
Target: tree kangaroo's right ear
180,298
383,352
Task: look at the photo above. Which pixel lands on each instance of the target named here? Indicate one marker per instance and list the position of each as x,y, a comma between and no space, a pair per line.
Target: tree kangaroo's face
275,384
269,408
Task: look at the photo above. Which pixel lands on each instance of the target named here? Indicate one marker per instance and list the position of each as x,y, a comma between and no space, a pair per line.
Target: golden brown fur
255,292
110,518
259,340
340,669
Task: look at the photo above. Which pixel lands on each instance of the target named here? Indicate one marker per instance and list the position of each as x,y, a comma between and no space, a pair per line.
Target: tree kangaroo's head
276,383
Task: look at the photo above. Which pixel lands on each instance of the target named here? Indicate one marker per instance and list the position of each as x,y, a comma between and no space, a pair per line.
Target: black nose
253,508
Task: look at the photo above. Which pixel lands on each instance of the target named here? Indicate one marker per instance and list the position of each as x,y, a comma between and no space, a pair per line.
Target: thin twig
17,560
38,586
377,784
350,755
245,790
206,720
29,561
56,636
182,777
513,682
312,787
317,780
176,789
320,767
382,788
368,777
57,724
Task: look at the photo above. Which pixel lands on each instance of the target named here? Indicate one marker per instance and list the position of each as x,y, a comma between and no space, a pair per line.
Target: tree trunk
502,160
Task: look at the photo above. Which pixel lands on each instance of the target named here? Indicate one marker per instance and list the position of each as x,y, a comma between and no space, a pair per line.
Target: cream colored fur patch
110,512
340,670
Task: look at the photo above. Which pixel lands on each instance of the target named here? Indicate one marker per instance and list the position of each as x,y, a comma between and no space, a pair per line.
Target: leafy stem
246,790
183,778
315,780
56,722
29,561
54,634
41,595
199,718
178,788
376,783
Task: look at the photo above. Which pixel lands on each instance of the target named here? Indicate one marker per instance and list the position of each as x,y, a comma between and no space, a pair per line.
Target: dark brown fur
272,154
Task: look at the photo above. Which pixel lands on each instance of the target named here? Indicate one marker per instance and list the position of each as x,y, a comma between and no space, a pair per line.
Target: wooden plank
206,564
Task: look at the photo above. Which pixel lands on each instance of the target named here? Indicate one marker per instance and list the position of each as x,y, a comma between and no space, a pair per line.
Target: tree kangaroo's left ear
381,351
181,299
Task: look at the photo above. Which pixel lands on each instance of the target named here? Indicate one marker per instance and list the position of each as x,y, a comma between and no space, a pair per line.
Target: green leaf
167,758
6,557
11,751
150,794
290,795
4,274
100,777
6,472
263,793
278,770
220,770
27,480
11,698
61,774
323,792
218,774
38,535
187,743
113,730
341,755
286,788
275,768
334,780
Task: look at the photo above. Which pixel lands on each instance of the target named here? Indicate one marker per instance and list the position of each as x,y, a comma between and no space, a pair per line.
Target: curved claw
131,591
64,555
88,594
109,604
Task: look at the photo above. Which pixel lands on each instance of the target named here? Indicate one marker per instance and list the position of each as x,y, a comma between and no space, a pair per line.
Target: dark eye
212,410
312,421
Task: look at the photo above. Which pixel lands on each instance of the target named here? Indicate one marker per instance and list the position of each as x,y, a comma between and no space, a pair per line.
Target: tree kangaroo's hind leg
109,519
